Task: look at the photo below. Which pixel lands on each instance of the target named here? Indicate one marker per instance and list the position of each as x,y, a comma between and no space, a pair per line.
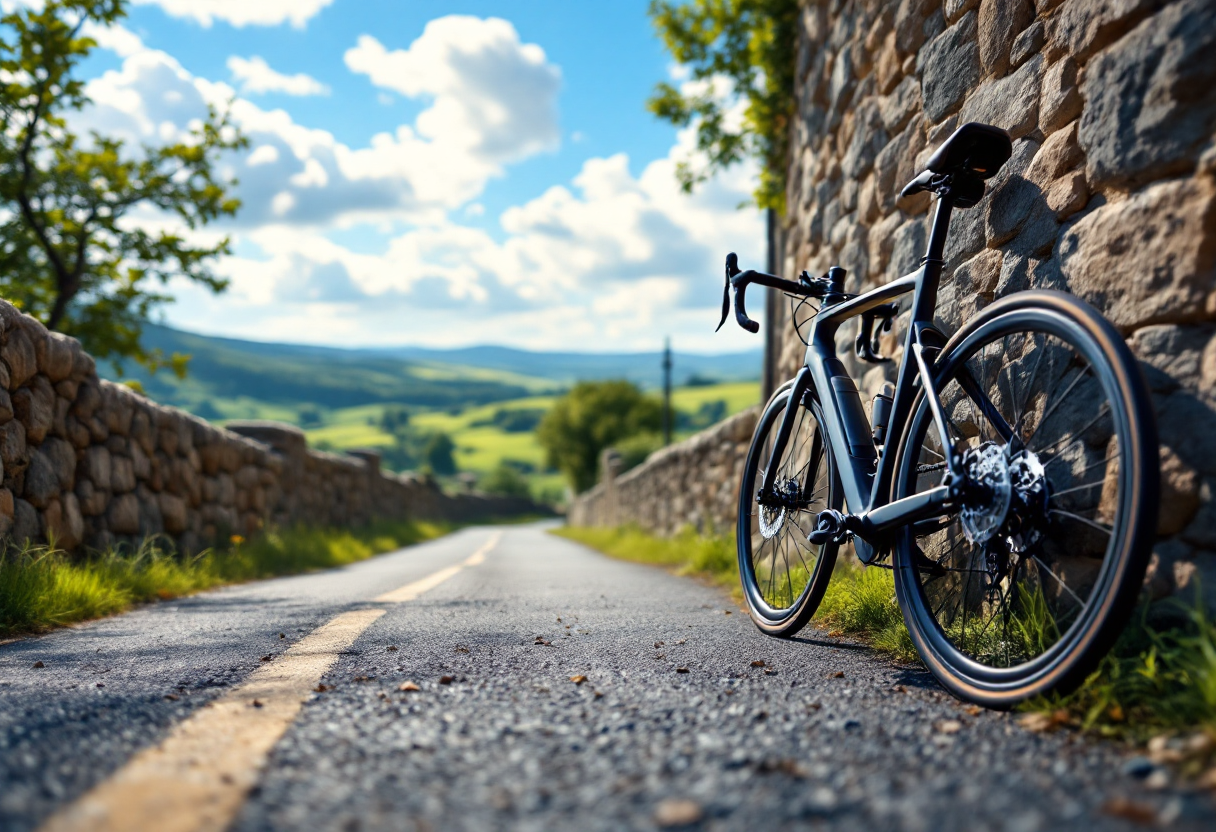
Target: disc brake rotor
773,511
987,473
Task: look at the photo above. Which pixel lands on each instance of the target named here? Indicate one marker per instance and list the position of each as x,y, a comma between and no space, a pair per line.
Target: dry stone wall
87,462
1110,194
691,483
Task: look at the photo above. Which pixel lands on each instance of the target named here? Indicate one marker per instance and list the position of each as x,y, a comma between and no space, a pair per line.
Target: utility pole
666,391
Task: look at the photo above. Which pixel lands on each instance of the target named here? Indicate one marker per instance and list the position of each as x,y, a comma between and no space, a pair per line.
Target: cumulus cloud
305,176
241,12
490,93
255,76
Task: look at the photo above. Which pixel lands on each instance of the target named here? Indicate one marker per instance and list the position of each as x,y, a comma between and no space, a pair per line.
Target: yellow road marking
197,779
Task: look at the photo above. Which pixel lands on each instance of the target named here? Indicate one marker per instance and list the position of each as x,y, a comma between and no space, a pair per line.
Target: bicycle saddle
973,153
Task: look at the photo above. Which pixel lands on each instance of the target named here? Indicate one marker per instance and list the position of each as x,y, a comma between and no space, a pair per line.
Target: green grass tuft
41,587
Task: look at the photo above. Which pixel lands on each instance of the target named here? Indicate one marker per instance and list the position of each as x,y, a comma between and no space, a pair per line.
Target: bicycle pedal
829,528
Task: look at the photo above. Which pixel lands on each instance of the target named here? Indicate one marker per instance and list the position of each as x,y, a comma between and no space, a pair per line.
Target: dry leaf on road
579,679
675,812
446,680
758,663
1040,722
949,726
409,687
1121,807
681,670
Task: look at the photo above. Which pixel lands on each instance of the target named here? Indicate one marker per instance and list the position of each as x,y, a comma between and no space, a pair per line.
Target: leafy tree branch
750,47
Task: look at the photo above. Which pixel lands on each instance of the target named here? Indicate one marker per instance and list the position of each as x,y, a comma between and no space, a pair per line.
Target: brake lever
867,346
732,269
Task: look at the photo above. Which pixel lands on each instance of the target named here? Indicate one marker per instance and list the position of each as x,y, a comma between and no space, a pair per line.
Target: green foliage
588,419
437,454
707,556
69,255
42,588
394,420
513,420
751,44
708,414
861,602
506,480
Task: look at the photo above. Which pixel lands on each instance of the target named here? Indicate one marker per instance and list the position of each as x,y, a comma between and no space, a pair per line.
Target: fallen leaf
835,633
813,706
973,710
267,657
758,663
783,766
839,674
540,640
392,648
1040,722
1121,807
681,670
949,726
409,687
660,656
382,695
657,645
38,665
681,641
172,697
726,612
101,684
322,688
1115,712
899,689
257,703
559,619
677,812
770,671
446,680
364,678
282,635
462,650
729,692
579,679
599,694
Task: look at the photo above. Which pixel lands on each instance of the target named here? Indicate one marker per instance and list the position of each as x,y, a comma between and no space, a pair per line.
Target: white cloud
241,12
254,75
305,176
490,94
117,38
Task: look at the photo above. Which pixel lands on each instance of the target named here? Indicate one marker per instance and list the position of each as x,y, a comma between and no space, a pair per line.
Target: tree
438,453
70,253
590,418
752,46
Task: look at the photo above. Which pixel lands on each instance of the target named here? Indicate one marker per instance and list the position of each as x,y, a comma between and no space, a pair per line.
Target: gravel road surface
673,726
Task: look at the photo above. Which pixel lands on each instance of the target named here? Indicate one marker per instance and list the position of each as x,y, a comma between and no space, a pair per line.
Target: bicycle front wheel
1023,589
783,575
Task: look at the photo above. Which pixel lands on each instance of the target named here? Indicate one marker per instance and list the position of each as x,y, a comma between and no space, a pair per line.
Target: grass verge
41,587
1159,680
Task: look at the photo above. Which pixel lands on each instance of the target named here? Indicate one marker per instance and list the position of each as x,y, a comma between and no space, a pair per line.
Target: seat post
926,296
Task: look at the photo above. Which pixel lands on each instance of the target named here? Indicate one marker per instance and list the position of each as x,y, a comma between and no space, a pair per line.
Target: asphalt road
672,723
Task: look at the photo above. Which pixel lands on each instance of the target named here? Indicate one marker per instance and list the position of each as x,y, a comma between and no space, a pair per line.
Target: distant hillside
230,378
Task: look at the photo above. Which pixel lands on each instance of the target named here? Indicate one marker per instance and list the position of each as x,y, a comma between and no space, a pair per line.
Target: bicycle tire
769,616
1032,587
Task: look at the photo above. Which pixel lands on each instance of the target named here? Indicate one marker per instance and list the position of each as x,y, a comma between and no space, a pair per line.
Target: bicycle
1009,478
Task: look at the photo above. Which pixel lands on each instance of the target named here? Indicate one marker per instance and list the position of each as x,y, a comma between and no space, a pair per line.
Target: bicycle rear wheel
1024,589
784,576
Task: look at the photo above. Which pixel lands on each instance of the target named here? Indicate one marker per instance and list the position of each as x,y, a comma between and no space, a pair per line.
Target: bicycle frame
865,475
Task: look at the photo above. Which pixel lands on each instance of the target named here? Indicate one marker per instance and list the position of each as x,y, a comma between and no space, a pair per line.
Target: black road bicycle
1009,478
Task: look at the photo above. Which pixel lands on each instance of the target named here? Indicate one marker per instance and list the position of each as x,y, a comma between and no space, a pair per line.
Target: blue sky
435,173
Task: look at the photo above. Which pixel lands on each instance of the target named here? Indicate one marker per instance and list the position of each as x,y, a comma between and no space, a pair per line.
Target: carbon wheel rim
1048,378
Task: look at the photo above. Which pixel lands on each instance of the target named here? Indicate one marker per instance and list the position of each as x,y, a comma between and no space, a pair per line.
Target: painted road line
197,778
411,591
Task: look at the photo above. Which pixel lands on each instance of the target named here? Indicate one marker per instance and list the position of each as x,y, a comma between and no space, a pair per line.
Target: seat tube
925,303
802,383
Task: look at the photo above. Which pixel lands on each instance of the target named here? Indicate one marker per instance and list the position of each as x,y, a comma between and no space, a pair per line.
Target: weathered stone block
1011,103
1082,28
1179,493
1027,44
1149,258
1000,22
173,512
1060,100
122,475
123,514
27,525
1151,98
949,67
18,353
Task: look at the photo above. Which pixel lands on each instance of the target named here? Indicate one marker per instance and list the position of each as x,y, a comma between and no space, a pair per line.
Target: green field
481,447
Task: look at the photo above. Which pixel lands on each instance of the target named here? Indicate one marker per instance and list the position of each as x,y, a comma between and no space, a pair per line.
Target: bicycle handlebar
806,285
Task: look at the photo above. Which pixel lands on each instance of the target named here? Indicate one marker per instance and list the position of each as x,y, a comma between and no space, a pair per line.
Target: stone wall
91,463
1110,194
691,483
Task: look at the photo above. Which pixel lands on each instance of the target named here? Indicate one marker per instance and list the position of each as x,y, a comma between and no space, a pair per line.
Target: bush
504,480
